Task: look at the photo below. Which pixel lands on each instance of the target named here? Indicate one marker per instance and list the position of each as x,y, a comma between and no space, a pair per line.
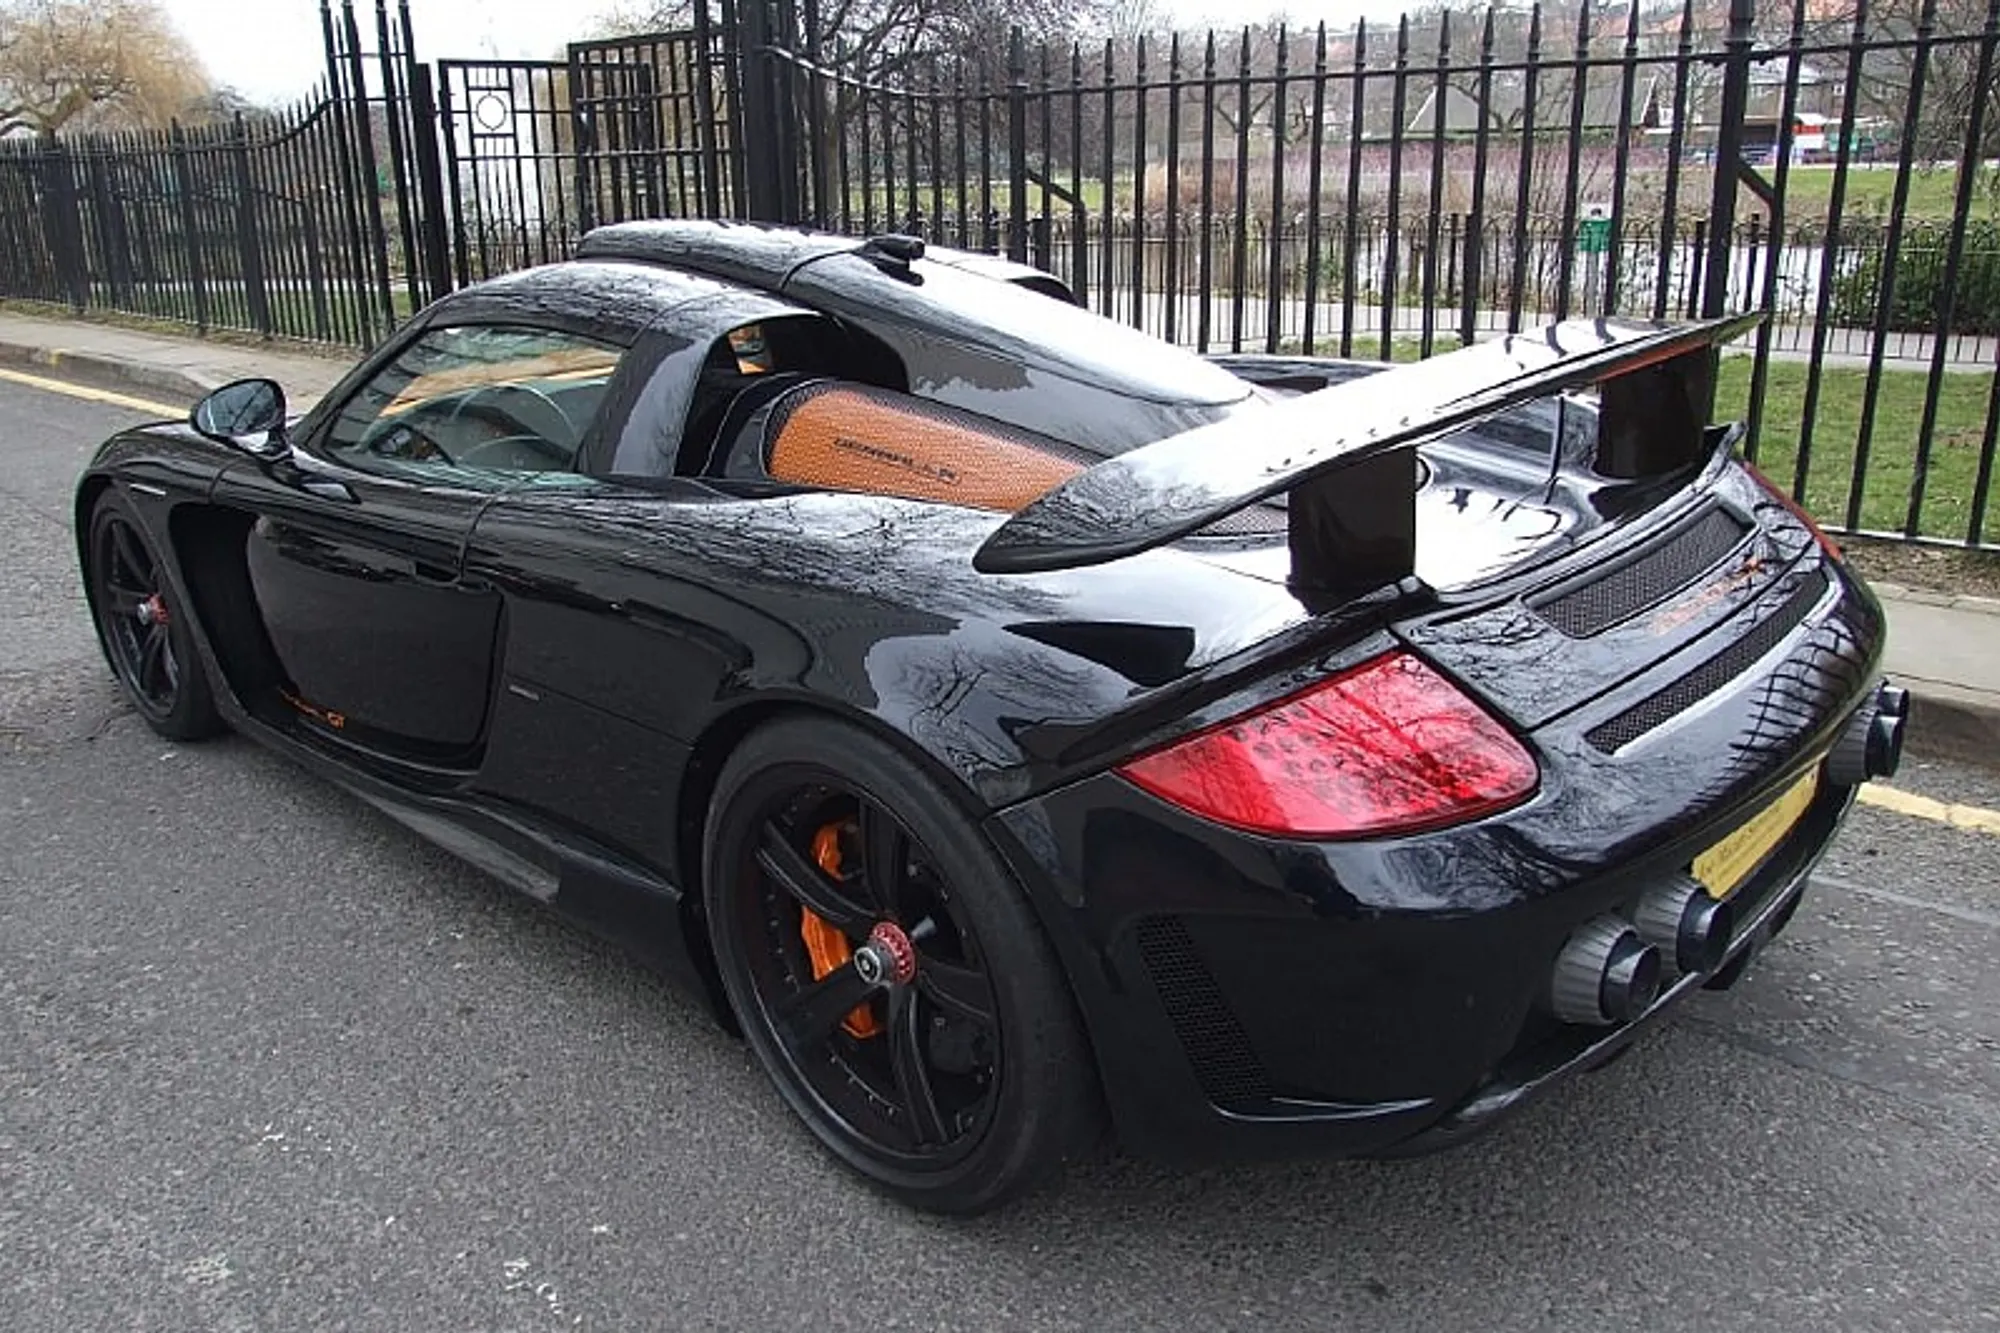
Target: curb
128,374
1892,593
1947,722
1950,719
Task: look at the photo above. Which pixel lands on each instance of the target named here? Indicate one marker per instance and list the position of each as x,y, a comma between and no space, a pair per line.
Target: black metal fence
1453,284
1384,191
1376,192
538,152
303,223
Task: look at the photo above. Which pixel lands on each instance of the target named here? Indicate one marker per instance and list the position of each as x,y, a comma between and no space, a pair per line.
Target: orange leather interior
860,440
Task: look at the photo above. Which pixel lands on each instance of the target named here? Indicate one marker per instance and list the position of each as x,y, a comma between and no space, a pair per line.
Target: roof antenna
894,248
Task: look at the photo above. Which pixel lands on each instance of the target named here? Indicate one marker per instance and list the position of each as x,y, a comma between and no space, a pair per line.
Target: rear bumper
1262,1034
1252,997
1768,903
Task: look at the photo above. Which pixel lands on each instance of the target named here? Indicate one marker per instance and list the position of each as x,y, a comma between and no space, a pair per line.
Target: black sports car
1005,717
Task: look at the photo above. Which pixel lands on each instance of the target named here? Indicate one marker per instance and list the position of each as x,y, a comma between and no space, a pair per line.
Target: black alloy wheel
145,635
888,971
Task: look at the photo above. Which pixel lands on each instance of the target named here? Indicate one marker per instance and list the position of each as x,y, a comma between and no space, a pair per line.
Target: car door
355,555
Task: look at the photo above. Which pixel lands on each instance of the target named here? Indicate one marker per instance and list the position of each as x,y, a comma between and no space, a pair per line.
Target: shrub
1920,278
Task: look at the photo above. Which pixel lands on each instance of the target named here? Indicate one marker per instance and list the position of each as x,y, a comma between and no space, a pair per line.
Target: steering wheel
519,409
400,440
517,453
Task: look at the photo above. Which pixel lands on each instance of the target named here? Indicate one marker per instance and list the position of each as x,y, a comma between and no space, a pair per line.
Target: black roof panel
766,254
617,300
758,254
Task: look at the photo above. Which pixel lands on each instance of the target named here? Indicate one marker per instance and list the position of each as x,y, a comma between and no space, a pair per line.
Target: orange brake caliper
825,945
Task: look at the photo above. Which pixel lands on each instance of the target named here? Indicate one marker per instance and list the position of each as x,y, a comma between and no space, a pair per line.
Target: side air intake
1229,1072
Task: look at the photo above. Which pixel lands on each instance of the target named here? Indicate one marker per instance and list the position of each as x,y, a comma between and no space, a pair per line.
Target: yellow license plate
1727,864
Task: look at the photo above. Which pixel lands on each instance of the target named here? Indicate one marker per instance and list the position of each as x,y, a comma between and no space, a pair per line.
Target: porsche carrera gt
1014,724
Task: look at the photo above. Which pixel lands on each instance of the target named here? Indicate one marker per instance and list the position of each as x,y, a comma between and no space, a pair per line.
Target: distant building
1820,94
1651,108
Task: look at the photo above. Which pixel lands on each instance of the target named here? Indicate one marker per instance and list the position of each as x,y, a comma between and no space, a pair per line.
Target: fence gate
510,163
539,152
654,123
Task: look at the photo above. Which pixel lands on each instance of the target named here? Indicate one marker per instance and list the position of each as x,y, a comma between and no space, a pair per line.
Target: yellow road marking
1923,807
105,396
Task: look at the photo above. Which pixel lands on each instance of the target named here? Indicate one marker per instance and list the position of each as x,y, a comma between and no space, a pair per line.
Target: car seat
845,436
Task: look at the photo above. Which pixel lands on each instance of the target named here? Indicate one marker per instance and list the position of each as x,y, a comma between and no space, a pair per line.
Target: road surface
269,1062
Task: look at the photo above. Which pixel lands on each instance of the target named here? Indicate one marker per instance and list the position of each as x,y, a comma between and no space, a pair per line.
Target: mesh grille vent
1224,1065
1711,675
1257,520
1647,581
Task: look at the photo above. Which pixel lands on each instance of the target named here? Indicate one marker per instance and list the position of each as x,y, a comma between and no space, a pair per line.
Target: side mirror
249,414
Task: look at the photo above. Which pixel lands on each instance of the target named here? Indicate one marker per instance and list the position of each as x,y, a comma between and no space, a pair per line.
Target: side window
491,397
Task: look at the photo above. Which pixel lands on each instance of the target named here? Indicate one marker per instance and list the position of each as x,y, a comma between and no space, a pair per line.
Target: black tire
145,632
989,1108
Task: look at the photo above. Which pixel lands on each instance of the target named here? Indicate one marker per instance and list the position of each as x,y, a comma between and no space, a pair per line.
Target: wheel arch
712,748
710,752
203,547
88,492
93,485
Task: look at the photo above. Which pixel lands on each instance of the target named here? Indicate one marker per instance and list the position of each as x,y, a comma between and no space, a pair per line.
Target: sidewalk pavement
176,369
1945,648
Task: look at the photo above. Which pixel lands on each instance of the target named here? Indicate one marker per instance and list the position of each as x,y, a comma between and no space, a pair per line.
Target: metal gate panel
510,163
654,117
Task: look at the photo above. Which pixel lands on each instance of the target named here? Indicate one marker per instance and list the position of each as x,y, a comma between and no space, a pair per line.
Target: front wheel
145,632
888,971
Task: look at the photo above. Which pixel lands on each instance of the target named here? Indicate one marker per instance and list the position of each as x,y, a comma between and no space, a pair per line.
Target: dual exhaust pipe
1610,971
1871,745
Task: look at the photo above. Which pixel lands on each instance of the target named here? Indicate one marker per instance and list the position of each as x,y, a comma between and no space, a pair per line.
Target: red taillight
1388,747
1797,511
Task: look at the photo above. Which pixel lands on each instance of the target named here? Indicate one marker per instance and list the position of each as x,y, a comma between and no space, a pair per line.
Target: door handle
326,488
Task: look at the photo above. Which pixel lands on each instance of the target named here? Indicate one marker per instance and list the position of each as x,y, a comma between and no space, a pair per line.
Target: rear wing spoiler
1344,452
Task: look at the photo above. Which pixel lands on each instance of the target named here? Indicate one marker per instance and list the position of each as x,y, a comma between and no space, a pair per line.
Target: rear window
1041,331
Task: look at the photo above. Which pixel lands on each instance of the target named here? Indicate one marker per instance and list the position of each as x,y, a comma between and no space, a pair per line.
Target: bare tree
93,63
1951,83
884,37
1127,20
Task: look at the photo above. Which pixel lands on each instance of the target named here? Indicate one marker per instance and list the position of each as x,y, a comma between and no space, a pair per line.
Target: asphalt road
269,1062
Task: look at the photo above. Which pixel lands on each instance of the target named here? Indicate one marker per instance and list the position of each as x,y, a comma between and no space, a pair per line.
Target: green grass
292,309
1091,191
1892,450
1870,190
1954,453
293,312
171,327
1899,409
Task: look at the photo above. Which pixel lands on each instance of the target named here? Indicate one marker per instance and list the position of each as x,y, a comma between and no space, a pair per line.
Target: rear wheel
146,634
888,971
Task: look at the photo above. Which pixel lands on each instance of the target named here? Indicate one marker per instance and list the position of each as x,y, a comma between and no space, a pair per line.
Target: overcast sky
270,50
